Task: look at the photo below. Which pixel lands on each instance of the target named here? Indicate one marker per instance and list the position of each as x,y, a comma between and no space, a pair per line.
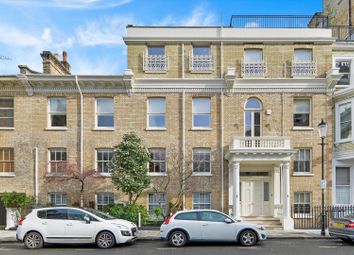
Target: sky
91,31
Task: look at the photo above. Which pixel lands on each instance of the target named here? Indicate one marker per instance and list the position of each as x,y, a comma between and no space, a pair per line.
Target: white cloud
106,31
68,4
100,66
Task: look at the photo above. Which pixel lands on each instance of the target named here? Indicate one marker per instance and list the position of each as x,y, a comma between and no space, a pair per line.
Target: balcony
201,63
254,69
260,143
155,63
304,69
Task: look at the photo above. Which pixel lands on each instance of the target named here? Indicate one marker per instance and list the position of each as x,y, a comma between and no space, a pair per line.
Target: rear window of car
53,214
187,216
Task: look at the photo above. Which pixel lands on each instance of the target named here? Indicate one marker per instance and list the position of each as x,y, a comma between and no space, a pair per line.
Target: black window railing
343,32
279,21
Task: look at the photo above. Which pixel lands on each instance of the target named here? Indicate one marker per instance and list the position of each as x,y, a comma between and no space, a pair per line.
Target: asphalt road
271,247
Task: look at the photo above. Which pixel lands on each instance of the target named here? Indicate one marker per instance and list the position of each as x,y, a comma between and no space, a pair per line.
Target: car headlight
260,227
121,227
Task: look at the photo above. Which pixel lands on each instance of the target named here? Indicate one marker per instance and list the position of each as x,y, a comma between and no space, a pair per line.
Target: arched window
253,110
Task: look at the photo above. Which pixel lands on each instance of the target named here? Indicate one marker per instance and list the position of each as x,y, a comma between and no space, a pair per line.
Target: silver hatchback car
209,225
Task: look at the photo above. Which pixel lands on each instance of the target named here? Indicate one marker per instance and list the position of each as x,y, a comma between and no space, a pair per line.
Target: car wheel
33,240
178,238
105,240
347,240
248,238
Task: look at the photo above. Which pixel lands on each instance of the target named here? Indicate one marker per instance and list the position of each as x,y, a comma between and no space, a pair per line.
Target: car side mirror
87,219
228,221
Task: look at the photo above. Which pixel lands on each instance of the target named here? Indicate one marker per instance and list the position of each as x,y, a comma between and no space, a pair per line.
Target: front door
255,198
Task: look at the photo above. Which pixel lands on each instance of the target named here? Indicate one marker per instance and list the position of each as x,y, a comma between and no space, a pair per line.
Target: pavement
10,235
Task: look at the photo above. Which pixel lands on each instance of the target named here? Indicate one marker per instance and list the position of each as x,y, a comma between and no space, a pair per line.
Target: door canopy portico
255,150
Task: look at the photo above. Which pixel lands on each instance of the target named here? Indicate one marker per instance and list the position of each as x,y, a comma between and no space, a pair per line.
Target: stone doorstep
10,236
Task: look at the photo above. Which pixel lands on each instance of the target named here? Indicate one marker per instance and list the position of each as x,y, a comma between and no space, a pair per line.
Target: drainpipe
222,148
350,12
81,126
36,177
183,146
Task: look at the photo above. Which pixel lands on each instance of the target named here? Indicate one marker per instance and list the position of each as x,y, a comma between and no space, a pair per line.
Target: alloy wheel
178,239
105,240
33,240
248,238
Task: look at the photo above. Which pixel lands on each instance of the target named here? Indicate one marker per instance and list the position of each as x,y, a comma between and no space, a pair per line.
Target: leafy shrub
19,201
128,212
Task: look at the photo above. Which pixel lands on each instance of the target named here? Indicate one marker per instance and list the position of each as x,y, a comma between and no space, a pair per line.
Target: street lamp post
323,134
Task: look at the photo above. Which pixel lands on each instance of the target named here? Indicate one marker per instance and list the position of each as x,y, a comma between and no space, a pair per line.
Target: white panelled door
255,198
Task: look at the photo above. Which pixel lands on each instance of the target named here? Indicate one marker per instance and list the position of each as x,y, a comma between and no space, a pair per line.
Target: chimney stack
52,64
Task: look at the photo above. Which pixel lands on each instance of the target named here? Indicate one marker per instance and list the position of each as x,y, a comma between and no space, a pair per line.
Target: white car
209,225
73,225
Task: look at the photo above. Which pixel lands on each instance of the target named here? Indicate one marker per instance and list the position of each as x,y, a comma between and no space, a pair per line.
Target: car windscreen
99,214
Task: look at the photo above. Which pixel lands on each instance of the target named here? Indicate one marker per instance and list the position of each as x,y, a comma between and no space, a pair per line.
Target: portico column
235,167
288,222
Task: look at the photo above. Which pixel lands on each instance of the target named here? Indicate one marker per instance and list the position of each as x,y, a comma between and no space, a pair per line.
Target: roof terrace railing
343,32
279,21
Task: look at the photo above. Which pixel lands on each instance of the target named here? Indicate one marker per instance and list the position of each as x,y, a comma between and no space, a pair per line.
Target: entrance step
268,222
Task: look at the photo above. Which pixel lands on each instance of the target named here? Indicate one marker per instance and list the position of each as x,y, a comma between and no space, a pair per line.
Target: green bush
19,201
128,212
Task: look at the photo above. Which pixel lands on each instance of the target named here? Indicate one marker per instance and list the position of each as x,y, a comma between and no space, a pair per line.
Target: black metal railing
309,217
279,21
343,32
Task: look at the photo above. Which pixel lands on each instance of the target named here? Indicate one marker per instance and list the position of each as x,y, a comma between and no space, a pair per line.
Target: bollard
139,220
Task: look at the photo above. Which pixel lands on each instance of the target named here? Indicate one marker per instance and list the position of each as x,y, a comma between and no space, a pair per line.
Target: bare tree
66,172
179,173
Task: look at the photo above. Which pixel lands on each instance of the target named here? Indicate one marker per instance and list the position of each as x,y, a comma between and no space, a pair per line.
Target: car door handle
204,225
44,223
69,224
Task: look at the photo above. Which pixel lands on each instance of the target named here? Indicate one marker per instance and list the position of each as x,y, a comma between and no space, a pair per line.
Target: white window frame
345,58
61,194
102,161
201,113
337,120
195,173
334,182
148,127
310,113
304,173
49,119
4,173
253,111
103,113
303,215
194,203
13,111
148,202
102,193
165,161
49,159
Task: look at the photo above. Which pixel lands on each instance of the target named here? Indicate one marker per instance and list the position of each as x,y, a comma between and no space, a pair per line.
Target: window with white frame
253,109
253,65
58,199
156,50
57,112
6,160
104,113
302,55
104,199
302,112
156,60
103,160
344,70
156,113
6,112
157,164
345,121
157,200
202,200
201,60
302,203
303,64
201,160
343,185
57,160
253,55
201,112
302,161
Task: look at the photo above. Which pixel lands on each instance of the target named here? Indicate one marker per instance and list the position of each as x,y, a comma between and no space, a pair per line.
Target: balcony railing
304,69
279,21
260,143
254,69
155,63
201,63
343,33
